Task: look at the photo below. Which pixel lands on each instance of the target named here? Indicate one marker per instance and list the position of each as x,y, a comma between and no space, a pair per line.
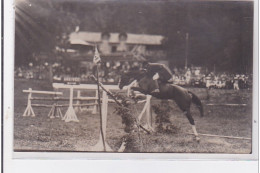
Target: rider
158,72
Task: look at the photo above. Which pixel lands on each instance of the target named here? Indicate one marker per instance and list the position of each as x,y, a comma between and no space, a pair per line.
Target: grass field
43,133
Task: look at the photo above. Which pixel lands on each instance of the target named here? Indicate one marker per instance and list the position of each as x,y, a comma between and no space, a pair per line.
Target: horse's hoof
197,139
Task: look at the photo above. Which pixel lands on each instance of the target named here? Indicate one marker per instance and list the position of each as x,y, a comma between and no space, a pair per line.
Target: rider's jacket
163,71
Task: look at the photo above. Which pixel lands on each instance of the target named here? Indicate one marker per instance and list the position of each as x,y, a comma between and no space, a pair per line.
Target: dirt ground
41,133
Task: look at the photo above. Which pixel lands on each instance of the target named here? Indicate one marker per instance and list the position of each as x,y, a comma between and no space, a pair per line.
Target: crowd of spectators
197,78
40,72
109,73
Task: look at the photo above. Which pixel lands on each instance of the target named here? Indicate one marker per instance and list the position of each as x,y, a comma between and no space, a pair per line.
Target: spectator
188,76
235,85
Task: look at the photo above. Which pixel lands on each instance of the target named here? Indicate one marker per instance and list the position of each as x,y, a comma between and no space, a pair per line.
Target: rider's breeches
155,78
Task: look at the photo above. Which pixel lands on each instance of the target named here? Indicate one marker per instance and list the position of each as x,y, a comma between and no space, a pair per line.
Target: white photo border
8,96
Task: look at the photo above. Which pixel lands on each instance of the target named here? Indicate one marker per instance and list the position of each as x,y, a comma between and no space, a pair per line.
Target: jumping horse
181,96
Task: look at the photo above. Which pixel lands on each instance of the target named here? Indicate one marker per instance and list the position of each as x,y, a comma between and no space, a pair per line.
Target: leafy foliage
162,120
221,33
126,114
126,111
40,27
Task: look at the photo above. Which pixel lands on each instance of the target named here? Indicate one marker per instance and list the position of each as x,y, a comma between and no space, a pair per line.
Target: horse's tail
195,99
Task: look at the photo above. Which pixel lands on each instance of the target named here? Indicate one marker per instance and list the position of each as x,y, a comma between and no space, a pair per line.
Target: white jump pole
94,111
42,92
148,113
29,110
99,146
52,111
147,110
228,104
70,114
55,111
78,108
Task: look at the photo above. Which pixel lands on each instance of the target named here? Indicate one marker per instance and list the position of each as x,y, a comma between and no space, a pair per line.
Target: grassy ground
43,133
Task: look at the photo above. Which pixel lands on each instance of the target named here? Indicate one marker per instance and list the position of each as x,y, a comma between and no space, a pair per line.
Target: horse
182,97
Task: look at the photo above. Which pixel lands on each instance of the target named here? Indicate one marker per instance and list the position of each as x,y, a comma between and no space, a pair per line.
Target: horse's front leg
191,120
139,90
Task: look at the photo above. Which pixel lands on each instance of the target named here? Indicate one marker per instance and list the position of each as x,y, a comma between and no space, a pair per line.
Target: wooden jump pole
78,108
29,110
147,110
228,104
107,91
94,110
63,98
220,136
70,115
96,61
42,92
64,105
41,105
55,111
100,144
79,98
148,113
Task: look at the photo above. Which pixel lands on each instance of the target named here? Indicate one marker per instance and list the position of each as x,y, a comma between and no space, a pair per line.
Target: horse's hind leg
191,120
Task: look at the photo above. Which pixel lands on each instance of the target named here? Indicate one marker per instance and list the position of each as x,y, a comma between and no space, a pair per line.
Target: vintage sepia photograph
121,76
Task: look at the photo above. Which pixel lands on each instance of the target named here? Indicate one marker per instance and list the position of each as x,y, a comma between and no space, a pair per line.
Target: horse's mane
136,74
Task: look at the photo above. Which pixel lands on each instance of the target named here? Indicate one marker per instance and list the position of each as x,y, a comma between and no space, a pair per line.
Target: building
117,46
120,52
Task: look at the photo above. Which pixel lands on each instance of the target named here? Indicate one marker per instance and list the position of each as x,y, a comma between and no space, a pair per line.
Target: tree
41,25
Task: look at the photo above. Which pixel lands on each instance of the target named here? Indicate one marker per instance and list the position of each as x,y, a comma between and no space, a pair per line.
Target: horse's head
125,79
128,77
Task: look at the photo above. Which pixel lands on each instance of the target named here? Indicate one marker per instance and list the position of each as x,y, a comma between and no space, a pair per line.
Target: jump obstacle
29,110
221,136
146,108
70,115
106,91
227,104
99,146
107,88
55,108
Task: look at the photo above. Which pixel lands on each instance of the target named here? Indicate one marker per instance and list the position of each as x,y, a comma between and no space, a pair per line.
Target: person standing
188,76
235,85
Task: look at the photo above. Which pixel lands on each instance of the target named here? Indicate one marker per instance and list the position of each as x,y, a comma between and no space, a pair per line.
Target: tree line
220,33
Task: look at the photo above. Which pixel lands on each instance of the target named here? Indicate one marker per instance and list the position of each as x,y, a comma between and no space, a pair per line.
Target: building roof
95,37
80,42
